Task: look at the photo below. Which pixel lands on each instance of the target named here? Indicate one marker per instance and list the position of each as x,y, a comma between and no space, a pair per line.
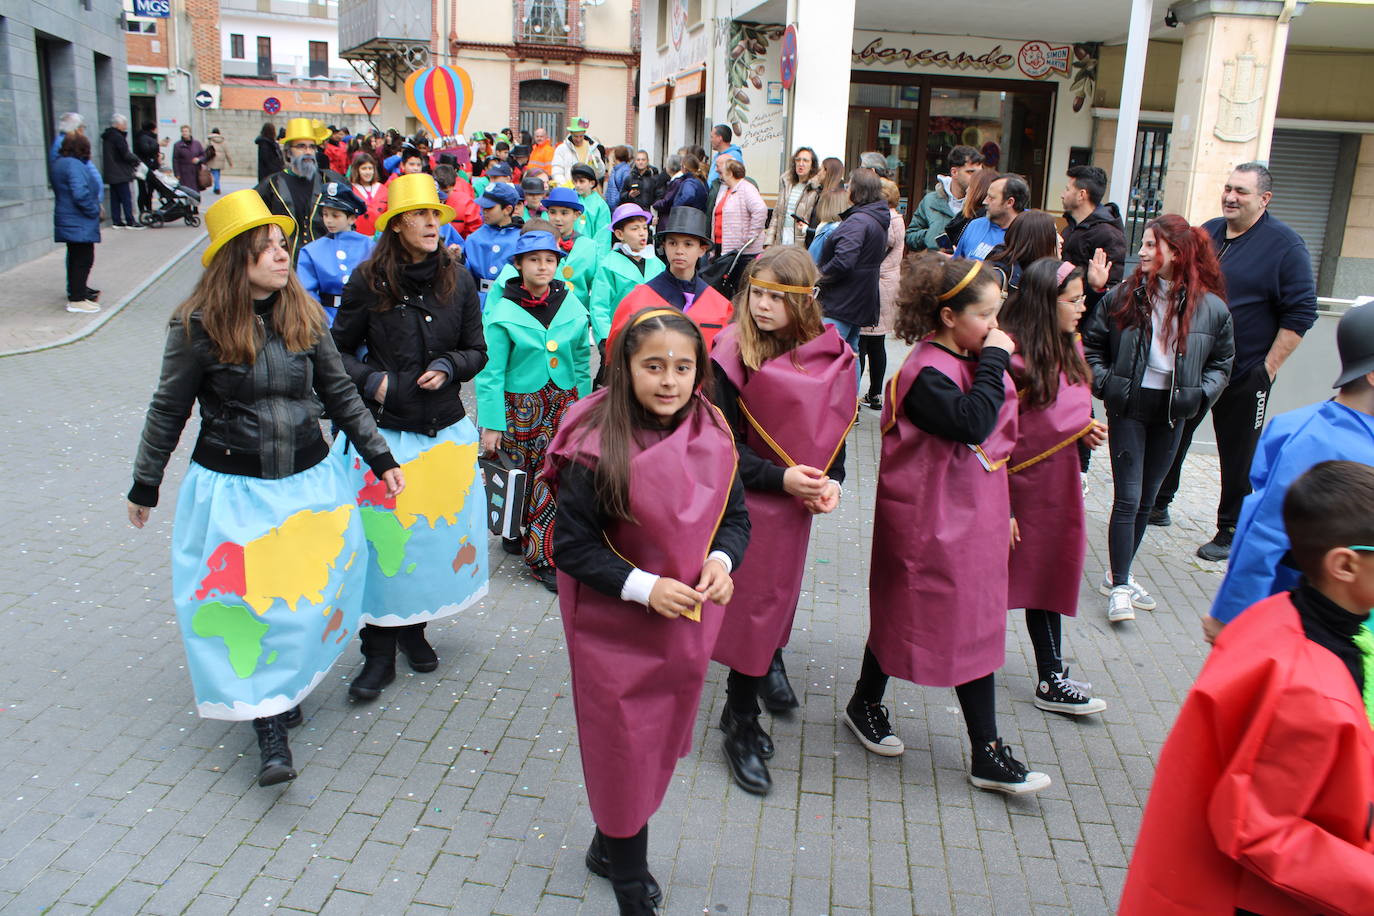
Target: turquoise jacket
596,216
577,269
616,276
524,356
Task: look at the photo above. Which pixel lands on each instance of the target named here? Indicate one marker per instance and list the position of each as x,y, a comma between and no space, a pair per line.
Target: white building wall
291,39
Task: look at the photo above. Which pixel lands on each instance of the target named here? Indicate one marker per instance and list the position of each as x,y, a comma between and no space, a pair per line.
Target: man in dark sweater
1273,301
1092,227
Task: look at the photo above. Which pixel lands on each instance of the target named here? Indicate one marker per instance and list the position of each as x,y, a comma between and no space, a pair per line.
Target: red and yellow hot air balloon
440,97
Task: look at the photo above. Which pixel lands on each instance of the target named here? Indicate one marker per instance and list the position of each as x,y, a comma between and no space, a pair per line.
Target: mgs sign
153,9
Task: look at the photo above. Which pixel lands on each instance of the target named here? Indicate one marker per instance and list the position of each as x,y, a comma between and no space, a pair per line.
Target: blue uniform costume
325,265
1294,442
487,250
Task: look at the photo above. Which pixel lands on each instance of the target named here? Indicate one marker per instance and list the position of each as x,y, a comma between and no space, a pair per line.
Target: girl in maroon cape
941,523
651,521
1054,411
786,384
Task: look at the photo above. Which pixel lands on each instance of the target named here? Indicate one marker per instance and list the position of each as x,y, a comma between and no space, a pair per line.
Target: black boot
276,753
599,863
775,691
379,662
417,650
292,717
633,898
742,753
765,740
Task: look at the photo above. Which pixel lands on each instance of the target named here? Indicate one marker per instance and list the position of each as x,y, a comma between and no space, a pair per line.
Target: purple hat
629,211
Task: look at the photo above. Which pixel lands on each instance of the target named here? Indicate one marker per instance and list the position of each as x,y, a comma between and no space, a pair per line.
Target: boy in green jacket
595,213
630,262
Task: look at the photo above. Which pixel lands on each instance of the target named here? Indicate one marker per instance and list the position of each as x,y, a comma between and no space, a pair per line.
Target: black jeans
873,351
1238,420
1142,445
121,204
145,196
80,257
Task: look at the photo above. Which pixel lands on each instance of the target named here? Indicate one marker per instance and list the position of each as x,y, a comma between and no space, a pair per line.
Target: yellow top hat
236,213
305,129
414,192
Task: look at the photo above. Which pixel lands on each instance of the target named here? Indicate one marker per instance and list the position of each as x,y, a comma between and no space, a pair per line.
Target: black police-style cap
1355,341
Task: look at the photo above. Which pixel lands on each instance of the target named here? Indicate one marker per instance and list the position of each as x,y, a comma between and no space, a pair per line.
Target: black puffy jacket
1118,356
118,159
258,420
851,257
404,342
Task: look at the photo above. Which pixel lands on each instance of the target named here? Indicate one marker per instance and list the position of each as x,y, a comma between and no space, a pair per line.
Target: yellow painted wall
481,21
1359,223
608,25
1317,84
602,100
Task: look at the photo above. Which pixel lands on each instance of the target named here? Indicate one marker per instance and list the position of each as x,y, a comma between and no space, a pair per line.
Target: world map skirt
267,579
426,548
531,420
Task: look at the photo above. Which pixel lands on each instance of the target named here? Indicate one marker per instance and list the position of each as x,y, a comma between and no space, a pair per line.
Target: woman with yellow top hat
267,535
415,309
296,190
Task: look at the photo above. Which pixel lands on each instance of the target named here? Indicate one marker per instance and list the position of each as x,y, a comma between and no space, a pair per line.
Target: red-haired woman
1160,351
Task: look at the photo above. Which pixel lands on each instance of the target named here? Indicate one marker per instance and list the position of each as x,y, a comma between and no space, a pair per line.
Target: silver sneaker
1142,599
1119,605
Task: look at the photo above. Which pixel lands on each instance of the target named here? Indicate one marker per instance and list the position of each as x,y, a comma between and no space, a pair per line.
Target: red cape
710,311
1264,795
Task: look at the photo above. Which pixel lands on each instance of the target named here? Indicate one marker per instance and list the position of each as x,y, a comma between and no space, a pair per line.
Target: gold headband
782,287
653,313
959,287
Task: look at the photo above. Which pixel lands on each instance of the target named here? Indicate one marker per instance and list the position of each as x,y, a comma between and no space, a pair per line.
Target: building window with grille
547,20
319,58
264,56
236,47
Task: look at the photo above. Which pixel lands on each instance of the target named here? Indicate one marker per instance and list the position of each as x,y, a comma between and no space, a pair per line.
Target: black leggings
742,693
1142,451
80,257
977,698
873,351
1044,627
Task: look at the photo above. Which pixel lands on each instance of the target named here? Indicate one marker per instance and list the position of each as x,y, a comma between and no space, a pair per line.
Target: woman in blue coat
77,190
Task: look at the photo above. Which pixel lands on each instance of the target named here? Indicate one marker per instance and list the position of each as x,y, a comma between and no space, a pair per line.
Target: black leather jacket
260,420
1118,357
404,342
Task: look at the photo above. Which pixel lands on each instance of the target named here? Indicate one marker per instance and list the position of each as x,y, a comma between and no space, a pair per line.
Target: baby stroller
176,200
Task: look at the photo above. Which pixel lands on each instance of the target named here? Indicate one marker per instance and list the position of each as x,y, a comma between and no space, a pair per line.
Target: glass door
886,119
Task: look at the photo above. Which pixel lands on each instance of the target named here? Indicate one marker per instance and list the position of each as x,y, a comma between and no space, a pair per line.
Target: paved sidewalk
461,791
33,308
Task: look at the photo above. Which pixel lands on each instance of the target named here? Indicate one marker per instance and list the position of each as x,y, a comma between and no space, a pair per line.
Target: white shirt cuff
723,557
638,585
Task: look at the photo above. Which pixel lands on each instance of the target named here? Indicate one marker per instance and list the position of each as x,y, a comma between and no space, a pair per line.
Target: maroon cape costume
799,407
1263,799
1046,568
709,310
637,676
937,585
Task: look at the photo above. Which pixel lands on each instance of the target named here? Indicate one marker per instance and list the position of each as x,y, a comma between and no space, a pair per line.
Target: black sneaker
1219,547
1159,517
995,769
873,402
1056,693
547,576
869,723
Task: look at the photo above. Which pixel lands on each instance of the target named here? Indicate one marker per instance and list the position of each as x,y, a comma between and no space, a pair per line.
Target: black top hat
686,221
1355,343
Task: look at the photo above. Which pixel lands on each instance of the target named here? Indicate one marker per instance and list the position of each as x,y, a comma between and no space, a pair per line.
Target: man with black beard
296,190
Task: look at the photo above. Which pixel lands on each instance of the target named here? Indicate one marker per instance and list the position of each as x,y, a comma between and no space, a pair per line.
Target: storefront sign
674,61
1038,59
991,60
153,9
677,21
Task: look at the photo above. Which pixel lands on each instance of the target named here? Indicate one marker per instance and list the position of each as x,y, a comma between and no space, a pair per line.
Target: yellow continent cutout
292,561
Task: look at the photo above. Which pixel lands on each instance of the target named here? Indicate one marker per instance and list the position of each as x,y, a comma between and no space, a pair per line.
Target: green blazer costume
523,356
577,269
596,216
616,276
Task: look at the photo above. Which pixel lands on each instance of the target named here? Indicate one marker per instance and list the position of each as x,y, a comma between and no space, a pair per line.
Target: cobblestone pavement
460,790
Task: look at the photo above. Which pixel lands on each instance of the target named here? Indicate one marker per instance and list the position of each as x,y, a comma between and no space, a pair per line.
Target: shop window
141,26
236,47
319,58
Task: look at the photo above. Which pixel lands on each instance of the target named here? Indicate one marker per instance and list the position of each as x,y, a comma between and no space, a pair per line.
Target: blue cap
499,169
338,196
499,194
564,197
536,241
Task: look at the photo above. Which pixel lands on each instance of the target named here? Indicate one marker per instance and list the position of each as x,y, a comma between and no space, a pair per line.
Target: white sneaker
1139,597
1119,606
85,308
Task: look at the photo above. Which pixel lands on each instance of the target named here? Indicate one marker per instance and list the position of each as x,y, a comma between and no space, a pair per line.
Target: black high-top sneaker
868,722
995,769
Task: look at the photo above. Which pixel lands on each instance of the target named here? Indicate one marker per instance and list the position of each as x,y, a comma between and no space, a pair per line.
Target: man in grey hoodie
942,204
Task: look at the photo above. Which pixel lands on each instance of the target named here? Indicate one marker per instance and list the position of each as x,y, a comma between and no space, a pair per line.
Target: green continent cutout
271,657
240,629
387,537
411,568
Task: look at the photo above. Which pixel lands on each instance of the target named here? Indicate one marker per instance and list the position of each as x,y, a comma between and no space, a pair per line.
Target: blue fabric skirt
267,578
427,547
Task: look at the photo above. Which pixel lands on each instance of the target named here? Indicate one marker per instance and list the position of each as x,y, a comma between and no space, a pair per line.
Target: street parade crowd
670,368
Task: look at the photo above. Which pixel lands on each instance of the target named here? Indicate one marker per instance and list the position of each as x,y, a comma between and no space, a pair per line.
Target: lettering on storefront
991,61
